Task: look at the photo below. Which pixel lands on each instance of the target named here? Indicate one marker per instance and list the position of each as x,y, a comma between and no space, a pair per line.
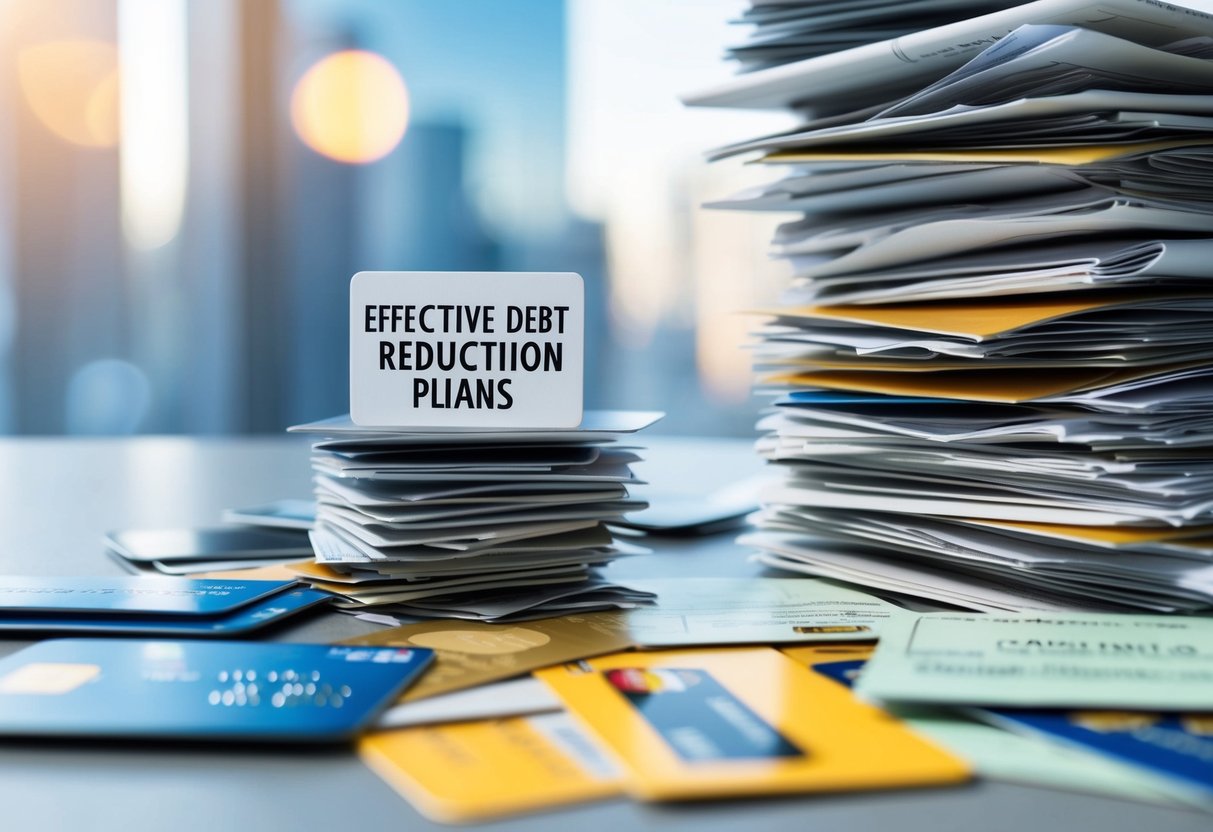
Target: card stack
467,523
150,605
993,369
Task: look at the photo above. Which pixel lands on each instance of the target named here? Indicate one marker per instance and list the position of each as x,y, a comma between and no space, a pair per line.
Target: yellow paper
1100,535
1071,156
693,724
318,572
470,653
473,771
273,572
965,319
867,363
1009,386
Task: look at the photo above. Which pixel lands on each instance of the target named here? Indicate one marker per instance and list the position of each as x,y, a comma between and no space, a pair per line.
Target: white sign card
466,349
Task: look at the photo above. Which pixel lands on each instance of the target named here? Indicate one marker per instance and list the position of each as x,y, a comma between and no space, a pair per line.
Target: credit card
207,544
1006,755
694,724
1178,747
200,690
474,771
141,595
265,612
473,653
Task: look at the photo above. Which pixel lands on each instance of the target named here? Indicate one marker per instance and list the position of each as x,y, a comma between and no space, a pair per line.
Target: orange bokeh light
351,106
72,88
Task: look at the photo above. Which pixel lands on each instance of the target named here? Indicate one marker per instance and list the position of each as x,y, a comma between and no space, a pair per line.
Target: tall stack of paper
994,366
466,523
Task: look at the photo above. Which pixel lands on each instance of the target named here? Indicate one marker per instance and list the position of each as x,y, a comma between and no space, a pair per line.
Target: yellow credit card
694,724
811,654
473,771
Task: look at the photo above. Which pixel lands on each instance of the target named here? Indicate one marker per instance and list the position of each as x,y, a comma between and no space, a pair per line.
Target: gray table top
59,496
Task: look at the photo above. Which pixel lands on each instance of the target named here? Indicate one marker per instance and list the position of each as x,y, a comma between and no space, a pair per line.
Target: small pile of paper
994,368
467,523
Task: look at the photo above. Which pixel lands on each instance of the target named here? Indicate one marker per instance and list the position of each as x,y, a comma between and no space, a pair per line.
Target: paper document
694,611
875,72
1045,660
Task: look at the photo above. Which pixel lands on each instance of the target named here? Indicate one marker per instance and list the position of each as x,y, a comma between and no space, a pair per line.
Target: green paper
695,611
1003,755
1059,660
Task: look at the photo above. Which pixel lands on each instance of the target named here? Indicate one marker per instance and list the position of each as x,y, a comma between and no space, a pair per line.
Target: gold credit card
471,653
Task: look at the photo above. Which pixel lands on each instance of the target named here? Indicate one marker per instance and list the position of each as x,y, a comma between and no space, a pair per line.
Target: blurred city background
186,187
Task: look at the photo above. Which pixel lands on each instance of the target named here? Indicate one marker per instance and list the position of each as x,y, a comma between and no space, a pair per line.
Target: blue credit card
700,720
143,595
261,613
200,690
1177,746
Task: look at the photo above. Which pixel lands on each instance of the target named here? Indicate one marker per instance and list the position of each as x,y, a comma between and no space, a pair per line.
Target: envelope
694,724
474,771
471,653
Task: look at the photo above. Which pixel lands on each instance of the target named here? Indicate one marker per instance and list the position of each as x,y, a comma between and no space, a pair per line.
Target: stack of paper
793,30
993,367
466,523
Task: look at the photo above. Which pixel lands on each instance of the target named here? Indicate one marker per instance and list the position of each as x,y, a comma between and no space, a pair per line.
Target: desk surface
57,498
